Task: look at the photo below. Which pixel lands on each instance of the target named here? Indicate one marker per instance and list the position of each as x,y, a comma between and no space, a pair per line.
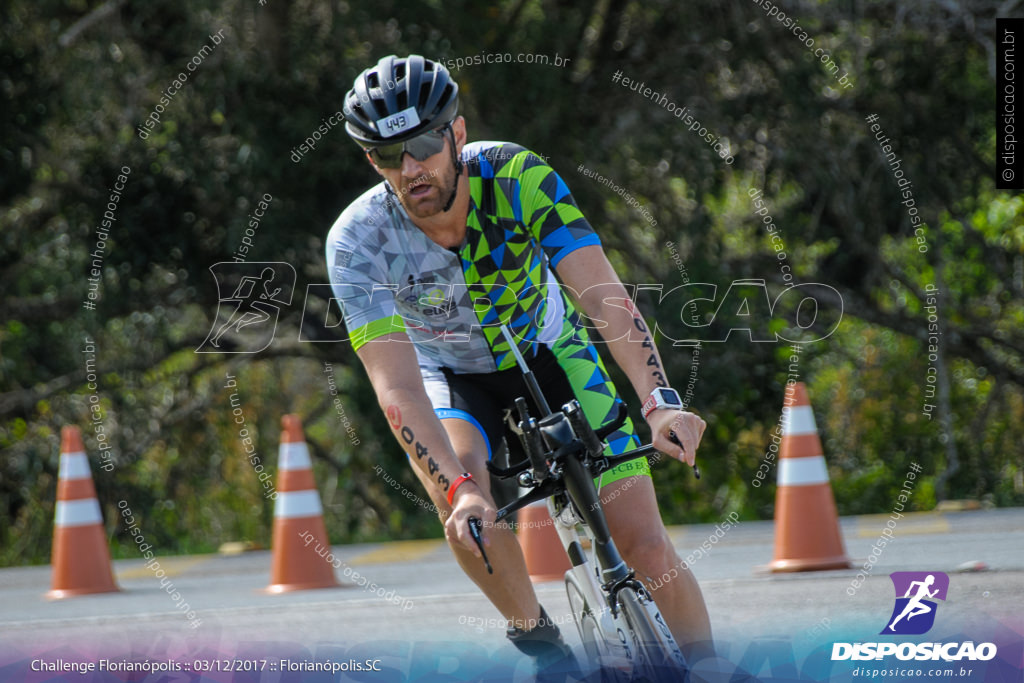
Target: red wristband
649,406
459,481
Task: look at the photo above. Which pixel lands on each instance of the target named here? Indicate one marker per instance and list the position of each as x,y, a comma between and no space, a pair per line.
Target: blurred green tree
80,78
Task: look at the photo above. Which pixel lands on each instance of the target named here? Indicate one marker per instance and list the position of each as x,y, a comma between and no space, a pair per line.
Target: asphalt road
431,602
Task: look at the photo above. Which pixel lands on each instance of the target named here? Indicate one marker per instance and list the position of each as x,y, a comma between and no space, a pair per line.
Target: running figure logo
247,317
914,612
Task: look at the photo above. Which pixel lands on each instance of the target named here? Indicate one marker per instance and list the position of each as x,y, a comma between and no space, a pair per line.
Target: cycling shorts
568,368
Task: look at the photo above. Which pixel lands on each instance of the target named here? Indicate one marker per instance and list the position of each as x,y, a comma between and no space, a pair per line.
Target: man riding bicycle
458,239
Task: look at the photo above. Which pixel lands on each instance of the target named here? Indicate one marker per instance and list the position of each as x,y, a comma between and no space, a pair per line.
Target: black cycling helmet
398,99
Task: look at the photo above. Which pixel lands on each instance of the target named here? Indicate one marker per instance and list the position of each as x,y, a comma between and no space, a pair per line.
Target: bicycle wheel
611,659
658,655
586,622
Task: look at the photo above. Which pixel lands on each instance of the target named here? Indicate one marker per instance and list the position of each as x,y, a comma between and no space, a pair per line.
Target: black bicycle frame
576,448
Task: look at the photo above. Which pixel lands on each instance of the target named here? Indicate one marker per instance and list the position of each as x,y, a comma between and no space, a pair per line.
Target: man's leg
509,587
632,512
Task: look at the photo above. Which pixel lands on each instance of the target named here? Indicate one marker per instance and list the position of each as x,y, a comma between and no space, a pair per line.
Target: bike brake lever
675,439
474,531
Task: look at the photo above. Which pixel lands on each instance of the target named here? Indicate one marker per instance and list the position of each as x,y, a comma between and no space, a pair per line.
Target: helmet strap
457,162
392,196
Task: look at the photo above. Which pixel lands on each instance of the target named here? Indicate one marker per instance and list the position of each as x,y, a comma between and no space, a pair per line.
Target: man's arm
394,372
589,276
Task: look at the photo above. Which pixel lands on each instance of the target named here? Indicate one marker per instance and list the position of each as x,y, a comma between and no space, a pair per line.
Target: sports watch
661,397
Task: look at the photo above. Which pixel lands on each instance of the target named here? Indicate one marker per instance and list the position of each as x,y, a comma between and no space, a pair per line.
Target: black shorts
571,369
488,397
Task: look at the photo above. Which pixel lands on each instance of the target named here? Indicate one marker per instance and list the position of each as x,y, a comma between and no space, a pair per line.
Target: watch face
669,397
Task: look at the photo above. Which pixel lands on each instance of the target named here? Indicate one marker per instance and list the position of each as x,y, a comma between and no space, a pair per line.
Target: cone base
61,593
277,588
80,562
811,564
807,533
295,564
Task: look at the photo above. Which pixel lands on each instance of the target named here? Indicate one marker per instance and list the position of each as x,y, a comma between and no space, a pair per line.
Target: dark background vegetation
77,77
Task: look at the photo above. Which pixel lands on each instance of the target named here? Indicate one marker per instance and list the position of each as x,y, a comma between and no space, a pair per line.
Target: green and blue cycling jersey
388,276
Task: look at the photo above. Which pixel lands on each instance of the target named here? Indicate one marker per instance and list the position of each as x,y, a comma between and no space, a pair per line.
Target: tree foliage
80,77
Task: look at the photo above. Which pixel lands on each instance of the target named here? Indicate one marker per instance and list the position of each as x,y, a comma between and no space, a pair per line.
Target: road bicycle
622,629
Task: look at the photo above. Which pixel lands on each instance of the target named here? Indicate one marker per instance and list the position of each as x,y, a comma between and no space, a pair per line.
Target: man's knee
650,553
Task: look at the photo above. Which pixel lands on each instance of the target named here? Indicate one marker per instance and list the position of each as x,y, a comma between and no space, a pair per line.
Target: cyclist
457,239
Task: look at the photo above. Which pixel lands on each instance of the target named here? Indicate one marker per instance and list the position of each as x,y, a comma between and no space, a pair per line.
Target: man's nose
410,167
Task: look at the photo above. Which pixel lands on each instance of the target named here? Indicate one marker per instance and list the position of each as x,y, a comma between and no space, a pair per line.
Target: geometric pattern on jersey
521,217
590,382
388,276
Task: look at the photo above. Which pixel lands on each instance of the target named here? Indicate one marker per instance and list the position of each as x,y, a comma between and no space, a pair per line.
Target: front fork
614,572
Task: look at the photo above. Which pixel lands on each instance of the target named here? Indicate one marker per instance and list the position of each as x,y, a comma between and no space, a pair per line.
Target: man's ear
459,130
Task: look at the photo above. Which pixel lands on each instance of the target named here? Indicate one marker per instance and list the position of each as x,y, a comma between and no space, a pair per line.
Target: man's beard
444,184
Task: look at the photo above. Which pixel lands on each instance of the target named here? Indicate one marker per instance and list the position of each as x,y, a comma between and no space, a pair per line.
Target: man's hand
688,428
469,503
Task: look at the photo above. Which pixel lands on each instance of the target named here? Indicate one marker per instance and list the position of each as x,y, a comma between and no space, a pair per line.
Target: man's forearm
391,365
604,299
632,344
602,296
420,434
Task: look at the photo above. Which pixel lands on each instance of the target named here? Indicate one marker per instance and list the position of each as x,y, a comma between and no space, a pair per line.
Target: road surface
425,611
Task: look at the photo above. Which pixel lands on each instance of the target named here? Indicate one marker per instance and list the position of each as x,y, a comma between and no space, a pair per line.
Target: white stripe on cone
78,512
294,456
74,466
802,471
297,504
797,420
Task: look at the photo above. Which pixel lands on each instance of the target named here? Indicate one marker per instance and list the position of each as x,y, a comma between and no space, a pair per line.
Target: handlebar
553,438
620,419
604,462
601,433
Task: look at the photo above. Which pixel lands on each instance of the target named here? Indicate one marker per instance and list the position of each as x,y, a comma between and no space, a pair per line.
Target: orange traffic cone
81,558
806,522
299,542
545,556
